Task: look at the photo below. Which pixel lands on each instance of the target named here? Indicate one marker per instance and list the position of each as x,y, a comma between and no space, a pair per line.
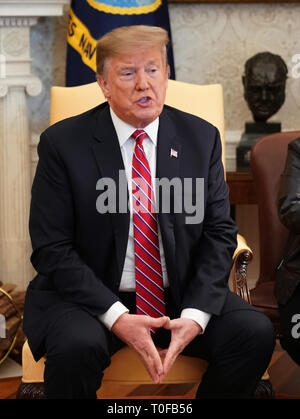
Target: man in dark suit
142,275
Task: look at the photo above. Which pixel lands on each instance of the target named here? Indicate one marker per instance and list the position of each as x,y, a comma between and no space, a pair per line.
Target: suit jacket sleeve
289,191
212,260
52,234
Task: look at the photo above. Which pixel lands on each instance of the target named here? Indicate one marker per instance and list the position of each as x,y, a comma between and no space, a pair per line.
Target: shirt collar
124,130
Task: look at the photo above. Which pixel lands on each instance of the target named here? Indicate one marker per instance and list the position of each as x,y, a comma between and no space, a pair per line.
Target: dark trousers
290,326
238,346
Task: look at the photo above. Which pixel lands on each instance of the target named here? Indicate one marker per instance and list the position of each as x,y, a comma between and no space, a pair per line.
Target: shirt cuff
199,316
112,314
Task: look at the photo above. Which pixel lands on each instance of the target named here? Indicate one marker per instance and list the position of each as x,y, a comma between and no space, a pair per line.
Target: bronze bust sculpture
264,84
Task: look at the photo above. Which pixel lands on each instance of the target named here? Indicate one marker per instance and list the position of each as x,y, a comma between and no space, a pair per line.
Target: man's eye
127,73
152,71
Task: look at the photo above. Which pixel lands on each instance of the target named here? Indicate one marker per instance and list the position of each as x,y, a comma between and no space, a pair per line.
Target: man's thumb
160,321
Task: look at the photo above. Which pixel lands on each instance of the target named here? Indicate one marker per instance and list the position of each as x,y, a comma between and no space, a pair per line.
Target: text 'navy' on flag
91,19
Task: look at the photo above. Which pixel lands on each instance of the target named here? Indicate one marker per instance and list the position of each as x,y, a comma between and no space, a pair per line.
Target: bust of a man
264,84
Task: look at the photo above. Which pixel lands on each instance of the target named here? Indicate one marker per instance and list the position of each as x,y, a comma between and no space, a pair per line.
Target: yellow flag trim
125,10
80,38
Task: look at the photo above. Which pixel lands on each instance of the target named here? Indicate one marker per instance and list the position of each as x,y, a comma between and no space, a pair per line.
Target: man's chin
142,119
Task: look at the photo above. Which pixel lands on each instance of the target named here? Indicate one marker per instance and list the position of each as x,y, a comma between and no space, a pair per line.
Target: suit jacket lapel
109,159
168,166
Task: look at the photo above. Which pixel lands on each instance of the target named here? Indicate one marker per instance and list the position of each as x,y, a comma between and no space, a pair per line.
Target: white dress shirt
127,284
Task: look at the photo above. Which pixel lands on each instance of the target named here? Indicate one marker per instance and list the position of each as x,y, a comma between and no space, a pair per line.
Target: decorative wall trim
32,7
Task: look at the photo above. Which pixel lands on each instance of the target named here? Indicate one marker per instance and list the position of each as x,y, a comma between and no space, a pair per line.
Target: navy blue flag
91,19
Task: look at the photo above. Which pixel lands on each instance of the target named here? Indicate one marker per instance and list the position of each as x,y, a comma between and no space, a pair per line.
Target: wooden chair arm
242,256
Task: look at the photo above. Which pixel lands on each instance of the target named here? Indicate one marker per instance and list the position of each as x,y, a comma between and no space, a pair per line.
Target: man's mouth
144,100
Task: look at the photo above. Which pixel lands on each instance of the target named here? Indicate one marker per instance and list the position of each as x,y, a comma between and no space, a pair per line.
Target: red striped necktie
148,273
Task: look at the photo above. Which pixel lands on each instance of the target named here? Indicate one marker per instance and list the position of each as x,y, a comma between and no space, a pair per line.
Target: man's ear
104,85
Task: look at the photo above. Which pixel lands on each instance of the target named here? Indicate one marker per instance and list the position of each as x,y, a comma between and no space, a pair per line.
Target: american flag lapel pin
173,153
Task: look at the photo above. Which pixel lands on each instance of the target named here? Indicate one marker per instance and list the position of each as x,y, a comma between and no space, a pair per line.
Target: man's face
264,90
135,85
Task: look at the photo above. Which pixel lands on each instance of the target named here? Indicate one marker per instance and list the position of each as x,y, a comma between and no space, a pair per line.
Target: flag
173,153
91,19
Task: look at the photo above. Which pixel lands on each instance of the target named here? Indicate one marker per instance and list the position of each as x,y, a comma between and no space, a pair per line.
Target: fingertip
167,324
160,320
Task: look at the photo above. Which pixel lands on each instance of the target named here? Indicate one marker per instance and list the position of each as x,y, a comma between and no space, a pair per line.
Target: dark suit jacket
288,273
79,253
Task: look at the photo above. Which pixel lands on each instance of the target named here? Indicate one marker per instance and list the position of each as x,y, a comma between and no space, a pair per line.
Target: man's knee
264,331
258,331
75,368
77,356
242,318
76,341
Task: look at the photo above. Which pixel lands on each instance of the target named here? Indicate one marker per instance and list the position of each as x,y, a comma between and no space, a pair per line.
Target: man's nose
142,82
264,94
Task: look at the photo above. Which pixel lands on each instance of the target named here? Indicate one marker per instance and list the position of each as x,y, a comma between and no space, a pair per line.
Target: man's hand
183,331
134,330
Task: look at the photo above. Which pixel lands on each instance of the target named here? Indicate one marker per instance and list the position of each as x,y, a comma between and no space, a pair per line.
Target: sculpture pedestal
253,131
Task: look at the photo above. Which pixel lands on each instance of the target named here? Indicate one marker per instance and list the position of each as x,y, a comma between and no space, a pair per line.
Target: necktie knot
139,136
